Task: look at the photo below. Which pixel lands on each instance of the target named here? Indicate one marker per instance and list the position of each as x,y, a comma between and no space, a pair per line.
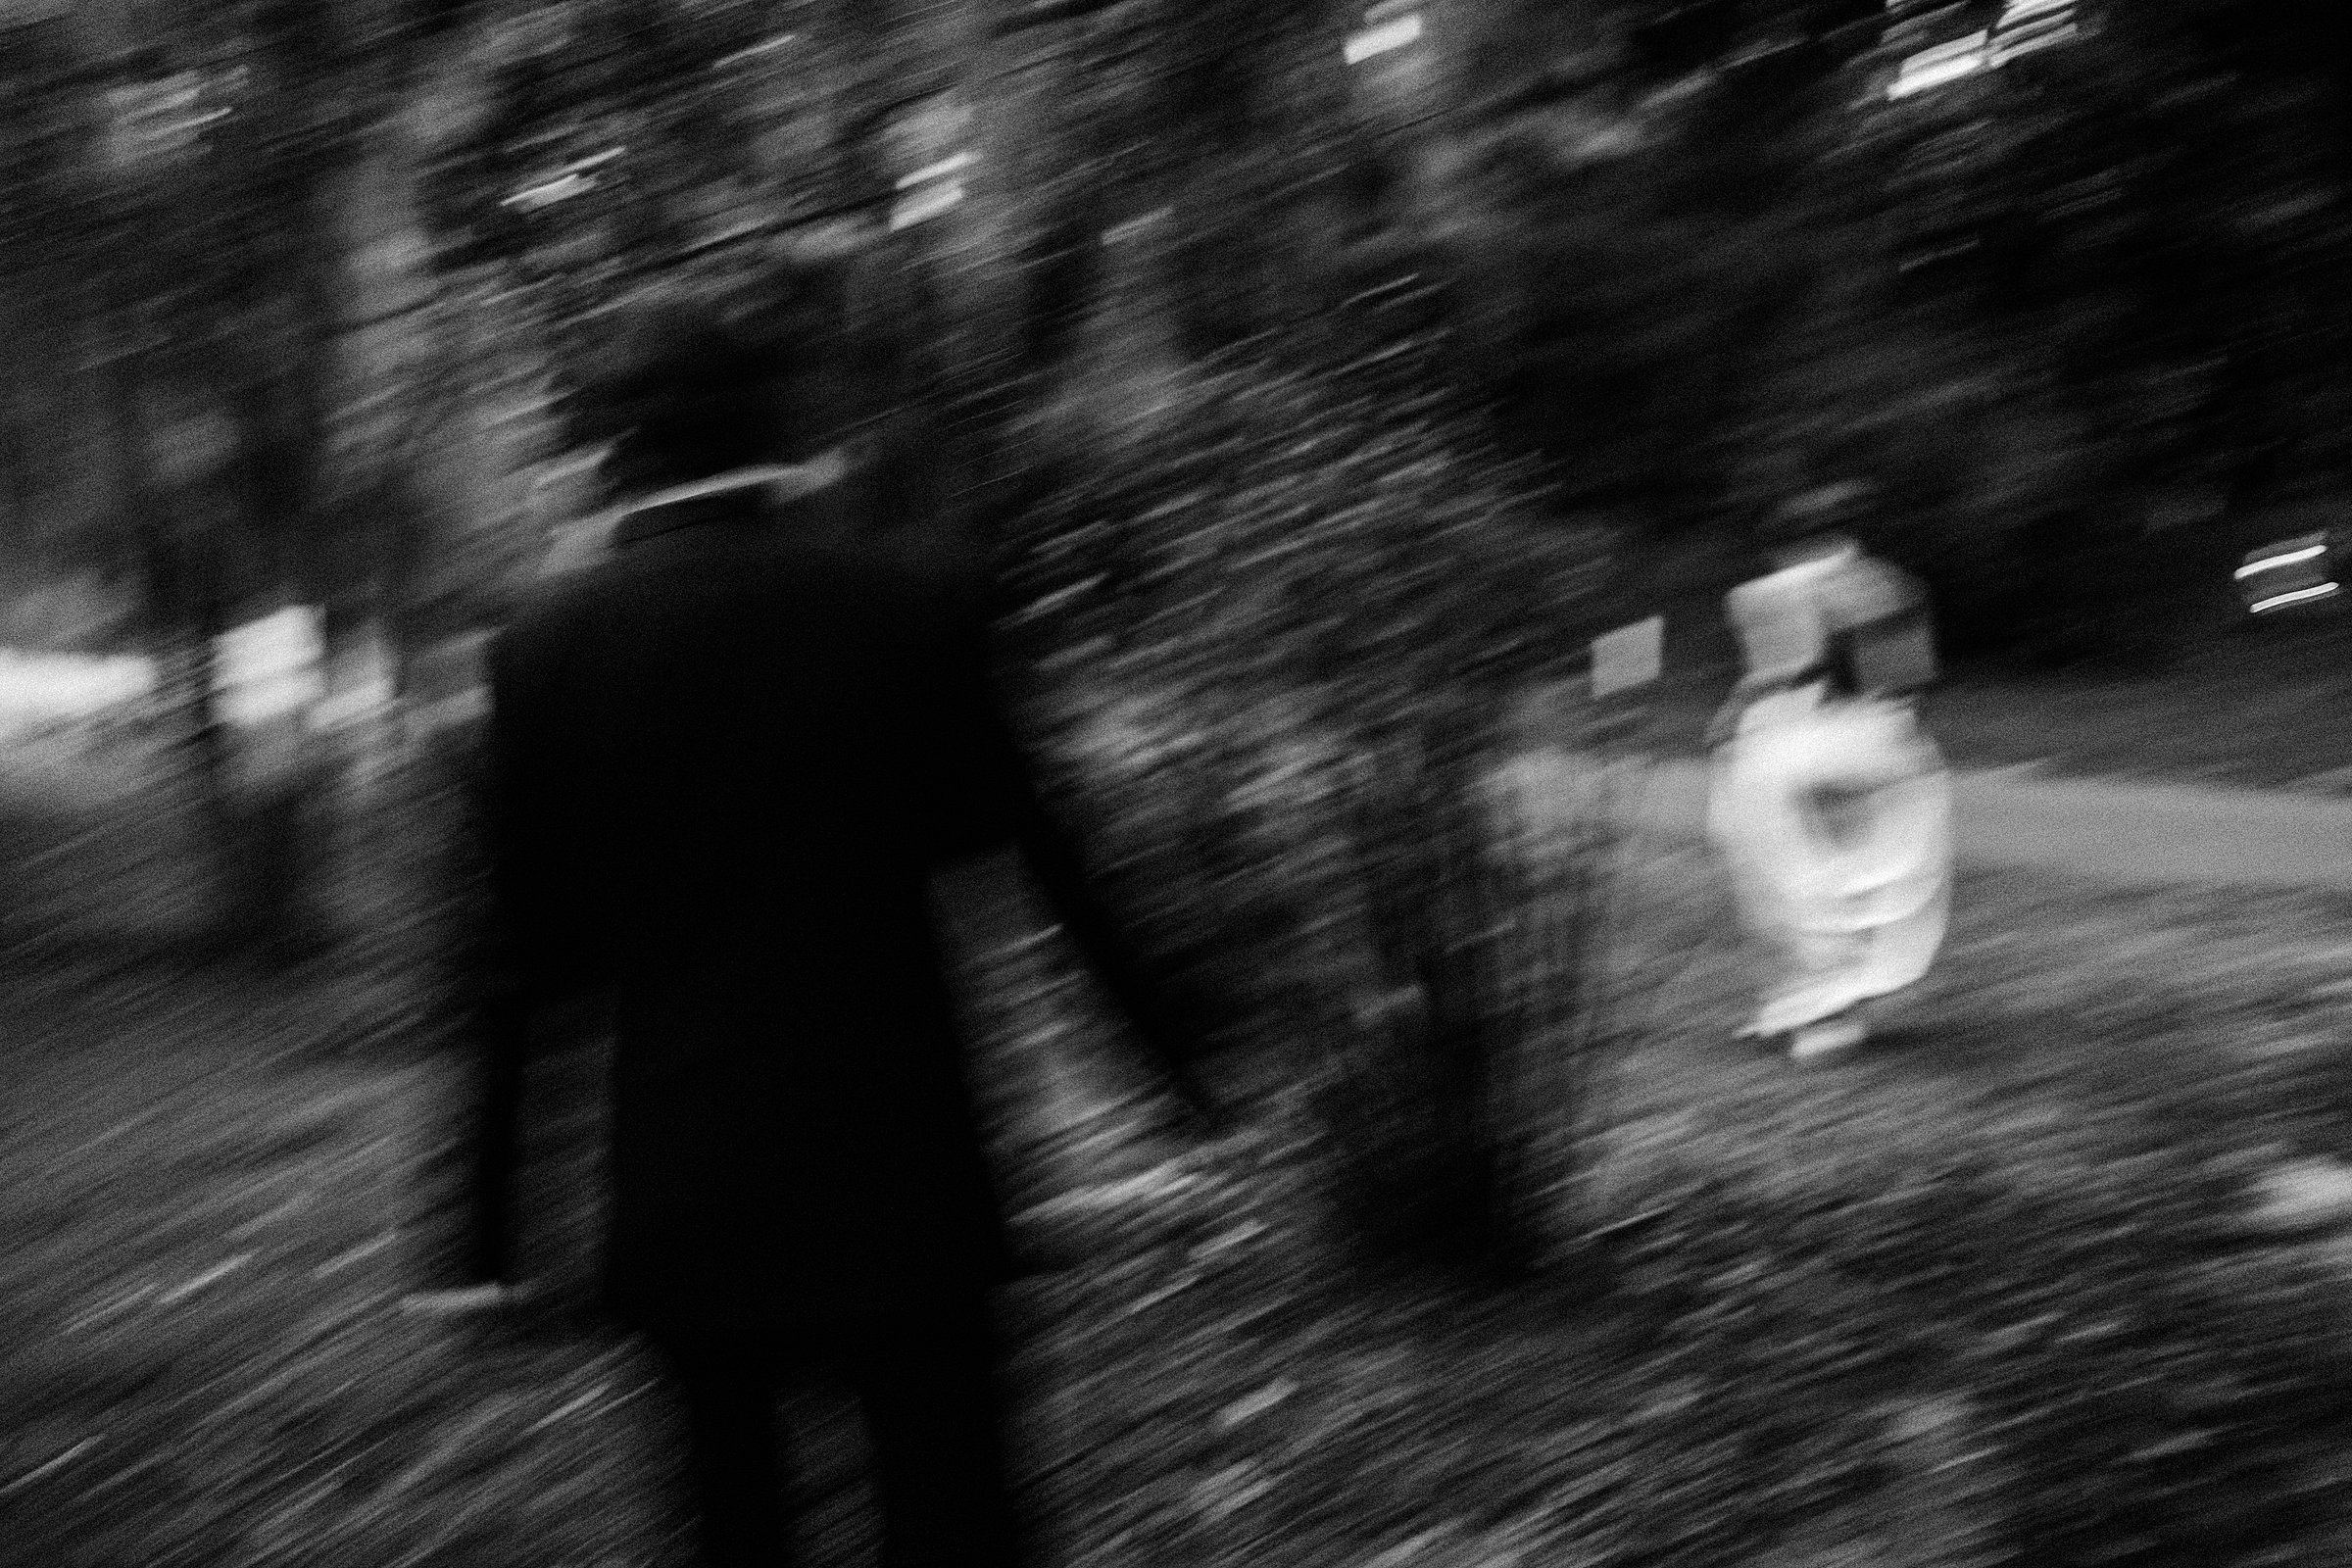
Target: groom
727,759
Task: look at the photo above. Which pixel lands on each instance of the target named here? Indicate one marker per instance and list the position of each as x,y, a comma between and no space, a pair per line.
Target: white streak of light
2043,38
1405,29
2271,563
54,1465
765,46
939,170
360,1253
1946,61
210,1276
2297,597
916,209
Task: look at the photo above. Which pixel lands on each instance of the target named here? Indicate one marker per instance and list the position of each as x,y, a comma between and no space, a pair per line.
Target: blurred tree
298,282
213,221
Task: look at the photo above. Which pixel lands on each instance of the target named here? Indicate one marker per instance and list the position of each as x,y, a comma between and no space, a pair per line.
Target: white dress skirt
1834,819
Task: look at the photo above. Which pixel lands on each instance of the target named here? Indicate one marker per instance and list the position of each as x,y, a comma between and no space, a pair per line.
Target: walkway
2126,833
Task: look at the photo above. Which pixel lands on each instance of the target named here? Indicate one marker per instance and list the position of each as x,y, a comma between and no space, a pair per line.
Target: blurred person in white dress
1829,802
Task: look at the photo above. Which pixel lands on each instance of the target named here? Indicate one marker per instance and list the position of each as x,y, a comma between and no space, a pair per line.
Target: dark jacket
728,759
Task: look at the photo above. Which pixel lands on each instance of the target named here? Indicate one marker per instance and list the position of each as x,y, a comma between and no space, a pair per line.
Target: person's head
687,383
1815,523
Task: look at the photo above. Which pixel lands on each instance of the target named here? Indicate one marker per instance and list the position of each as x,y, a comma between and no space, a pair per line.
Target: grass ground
1983,1296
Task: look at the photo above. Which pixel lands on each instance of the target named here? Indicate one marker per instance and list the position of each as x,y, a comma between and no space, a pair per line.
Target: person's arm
1741,614
1155,1006
1153,1003
1879,619
1723,723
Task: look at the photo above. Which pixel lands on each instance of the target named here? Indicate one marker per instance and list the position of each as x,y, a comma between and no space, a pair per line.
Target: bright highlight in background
930,191
954,163
2297,597
1932,67
925,205
2274,562
1405,29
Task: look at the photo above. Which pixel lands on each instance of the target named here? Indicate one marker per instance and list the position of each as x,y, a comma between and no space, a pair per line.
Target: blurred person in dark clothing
448,720
728,759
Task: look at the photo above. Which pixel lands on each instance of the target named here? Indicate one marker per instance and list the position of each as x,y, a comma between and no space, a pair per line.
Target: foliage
606,136
1688,250
2049,307
1287,614
1261,527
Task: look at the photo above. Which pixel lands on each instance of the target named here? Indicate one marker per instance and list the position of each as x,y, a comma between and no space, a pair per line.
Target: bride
1830,805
